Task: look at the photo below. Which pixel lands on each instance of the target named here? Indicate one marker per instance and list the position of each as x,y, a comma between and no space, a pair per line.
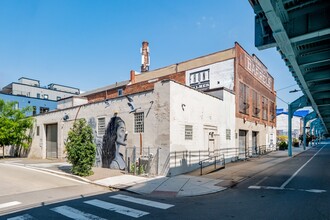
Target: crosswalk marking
75,213
8,204
117,208
22,217
142,201
80,215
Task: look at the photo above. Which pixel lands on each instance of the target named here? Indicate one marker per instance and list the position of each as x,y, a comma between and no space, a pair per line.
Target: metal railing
217,161
264,149
147,161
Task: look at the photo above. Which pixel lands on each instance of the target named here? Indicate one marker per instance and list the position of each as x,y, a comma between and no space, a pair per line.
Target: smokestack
132,76
145,57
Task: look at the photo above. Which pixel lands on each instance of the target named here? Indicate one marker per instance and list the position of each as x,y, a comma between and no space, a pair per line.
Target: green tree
80,148
14,127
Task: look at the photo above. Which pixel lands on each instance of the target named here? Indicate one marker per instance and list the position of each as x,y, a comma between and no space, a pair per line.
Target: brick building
233,69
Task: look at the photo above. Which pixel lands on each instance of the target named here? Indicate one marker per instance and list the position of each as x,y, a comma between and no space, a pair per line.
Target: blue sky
93,43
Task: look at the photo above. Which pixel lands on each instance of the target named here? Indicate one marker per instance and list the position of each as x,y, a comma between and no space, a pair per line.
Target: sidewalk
191,184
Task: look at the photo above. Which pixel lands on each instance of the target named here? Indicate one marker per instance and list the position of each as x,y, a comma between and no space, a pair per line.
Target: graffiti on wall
108,147
114,137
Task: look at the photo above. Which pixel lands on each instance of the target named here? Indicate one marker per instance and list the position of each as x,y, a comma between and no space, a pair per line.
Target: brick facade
244,76
135,87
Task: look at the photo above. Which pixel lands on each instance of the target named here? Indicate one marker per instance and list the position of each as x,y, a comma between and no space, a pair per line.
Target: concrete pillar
304,133
290,114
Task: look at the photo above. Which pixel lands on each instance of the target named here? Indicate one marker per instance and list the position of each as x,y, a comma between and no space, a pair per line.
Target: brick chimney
132,76
145,61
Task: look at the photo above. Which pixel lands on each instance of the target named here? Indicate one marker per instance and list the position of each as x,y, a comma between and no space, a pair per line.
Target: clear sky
93,43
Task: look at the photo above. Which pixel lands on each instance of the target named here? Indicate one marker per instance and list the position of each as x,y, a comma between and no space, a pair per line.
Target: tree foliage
80,148
14,126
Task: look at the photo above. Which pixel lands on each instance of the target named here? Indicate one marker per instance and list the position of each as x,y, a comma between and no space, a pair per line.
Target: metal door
51,141
255,142
242,144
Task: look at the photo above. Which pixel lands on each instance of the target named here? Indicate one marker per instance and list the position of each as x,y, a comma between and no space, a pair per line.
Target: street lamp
295,90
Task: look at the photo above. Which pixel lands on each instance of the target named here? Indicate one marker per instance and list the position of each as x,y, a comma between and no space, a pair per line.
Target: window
38,130
45,96
101,126
43,110
255,104
58,97
188,131
120,92
228,134
16,106
34,112
38,95
264,108
243,98
200,80
272,111
139,122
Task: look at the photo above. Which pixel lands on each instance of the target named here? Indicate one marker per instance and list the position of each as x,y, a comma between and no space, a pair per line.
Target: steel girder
301,32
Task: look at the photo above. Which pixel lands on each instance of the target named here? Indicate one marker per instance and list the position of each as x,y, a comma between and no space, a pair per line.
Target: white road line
254,187
288,181
46,172
8,204
279,188
22,217
260,181
150,203
117,208
316,190
75,213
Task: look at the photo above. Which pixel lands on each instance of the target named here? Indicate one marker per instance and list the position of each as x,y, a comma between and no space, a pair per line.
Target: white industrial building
177,125
32,88
297,122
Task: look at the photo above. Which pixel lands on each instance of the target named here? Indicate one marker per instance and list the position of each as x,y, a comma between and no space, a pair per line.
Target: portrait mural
114,137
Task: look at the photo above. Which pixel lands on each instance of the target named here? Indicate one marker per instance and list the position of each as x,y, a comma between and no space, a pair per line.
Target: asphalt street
298,188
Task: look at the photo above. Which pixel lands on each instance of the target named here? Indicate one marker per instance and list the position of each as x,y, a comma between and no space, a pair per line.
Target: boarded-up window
139,122
188,132
264,108
228,134
272,111
101,126
255,104
243,98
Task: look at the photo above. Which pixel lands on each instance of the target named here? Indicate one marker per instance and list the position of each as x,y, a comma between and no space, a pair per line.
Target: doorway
242,154
51,141
255,142
210,140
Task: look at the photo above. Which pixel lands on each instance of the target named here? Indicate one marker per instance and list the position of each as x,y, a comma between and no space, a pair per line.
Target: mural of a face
121,133
114,137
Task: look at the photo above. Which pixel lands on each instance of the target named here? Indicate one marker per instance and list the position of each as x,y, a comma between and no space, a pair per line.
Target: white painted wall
266,135
221,74
282,124
206,114
71,102
164,121
31,91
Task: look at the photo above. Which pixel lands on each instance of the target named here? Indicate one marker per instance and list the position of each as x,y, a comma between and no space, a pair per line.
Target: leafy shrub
295,142
139,169
283,145
80,148
282,138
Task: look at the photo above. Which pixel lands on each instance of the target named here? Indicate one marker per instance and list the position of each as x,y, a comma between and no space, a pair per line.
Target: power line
286,87
282,99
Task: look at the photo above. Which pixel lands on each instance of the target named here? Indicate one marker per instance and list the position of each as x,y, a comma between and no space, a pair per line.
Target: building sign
253,65
200,79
